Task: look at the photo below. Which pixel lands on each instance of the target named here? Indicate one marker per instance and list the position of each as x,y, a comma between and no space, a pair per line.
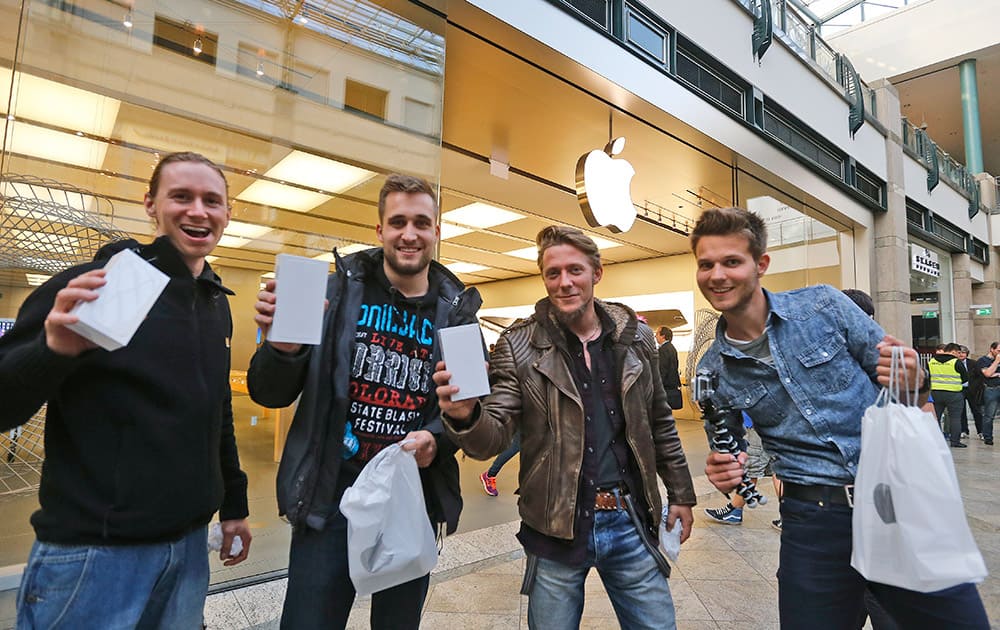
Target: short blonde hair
564,235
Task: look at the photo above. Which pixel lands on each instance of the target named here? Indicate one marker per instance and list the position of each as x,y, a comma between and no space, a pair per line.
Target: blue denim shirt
807,408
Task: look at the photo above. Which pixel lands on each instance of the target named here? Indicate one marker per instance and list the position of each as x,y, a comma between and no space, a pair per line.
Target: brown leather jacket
533,390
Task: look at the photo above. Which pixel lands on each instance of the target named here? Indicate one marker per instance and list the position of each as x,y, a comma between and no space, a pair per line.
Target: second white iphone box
462,350
300,290
133,286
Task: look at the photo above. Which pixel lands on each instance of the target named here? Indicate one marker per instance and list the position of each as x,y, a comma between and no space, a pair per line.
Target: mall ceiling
933,96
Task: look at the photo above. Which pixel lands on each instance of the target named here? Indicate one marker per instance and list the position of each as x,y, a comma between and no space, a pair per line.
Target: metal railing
802,36
949,169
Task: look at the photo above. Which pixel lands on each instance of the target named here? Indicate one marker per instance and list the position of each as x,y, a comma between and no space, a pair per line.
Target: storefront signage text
925,261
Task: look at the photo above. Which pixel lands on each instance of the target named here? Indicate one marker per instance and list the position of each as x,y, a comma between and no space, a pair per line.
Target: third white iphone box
299,293
462,349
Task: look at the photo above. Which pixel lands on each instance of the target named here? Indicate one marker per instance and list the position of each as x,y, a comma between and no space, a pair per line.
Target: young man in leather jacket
579,379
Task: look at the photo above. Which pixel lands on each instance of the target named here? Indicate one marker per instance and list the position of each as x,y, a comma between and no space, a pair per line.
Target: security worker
947,376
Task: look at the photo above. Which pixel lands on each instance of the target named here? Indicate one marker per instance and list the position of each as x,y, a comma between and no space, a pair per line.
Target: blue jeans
506,456
819,590
320,592
991,400
637,590
160,585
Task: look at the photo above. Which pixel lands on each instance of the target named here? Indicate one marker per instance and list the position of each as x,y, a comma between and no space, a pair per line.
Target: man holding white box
579,380
366,386
140,449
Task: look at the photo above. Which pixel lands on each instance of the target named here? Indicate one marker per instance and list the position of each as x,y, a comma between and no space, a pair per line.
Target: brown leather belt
607,501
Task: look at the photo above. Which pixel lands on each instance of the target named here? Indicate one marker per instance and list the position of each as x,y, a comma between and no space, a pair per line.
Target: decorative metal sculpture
45,227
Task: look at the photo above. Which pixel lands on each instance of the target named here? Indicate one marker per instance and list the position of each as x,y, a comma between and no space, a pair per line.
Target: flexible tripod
722,439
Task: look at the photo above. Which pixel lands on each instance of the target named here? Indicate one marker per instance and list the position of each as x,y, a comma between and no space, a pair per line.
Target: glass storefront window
806,247
306,106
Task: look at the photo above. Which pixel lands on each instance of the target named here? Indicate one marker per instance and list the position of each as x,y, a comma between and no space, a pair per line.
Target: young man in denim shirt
805,364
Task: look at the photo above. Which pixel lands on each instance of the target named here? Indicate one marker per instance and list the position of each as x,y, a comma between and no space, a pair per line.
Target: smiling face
728,276
190,208
569,280
408,233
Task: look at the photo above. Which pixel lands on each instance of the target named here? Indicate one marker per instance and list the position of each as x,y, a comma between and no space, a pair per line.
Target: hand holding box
300,293
462,350
132,287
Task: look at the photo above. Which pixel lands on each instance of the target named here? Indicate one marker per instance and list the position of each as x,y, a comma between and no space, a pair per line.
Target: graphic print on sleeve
390,372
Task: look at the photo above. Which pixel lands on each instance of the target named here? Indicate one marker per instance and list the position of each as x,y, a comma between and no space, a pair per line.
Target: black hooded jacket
139,443
307,481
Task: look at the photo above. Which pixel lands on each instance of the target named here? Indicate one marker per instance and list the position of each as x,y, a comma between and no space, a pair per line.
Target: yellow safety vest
944,376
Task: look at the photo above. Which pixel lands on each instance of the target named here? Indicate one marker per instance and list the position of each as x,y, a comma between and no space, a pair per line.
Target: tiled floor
724,579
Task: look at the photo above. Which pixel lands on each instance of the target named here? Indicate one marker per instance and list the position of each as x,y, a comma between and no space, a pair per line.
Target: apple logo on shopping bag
883,503
377,557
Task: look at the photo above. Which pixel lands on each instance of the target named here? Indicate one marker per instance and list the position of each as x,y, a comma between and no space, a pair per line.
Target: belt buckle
849,493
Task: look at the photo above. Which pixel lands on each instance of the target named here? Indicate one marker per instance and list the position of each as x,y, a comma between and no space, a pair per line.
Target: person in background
972,389
489,477
139,443
668,367
988,366
947,376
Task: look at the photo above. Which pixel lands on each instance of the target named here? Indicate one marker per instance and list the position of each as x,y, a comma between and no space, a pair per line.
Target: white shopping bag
909,527
389,537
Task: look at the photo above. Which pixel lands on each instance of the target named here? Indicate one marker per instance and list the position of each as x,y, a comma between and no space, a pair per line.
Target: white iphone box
133,286
299,295
462,350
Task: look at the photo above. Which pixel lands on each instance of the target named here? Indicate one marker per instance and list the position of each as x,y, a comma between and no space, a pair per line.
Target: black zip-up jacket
139,443
310,464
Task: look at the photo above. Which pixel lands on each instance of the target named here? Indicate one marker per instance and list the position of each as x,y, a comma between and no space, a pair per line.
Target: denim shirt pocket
828,363
759,405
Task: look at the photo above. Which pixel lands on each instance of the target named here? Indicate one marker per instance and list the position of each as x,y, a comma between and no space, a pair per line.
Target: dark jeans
320,592
953,402
991,402
503,458
819,590
975,400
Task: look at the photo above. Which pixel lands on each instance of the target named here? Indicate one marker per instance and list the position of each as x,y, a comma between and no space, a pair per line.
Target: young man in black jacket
371,379
139,443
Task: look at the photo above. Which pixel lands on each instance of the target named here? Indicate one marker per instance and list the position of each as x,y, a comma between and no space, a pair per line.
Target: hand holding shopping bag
909,527
389,536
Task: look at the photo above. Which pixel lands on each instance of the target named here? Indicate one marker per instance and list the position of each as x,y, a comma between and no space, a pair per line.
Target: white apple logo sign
602,187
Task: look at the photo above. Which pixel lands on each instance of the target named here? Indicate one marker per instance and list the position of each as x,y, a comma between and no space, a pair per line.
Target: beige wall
11,300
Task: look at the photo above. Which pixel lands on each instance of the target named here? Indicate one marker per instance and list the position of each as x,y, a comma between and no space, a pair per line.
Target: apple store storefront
307,112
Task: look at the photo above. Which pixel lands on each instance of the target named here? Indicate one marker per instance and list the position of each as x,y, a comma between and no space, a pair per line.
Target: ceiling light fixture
304,169
260,68
237,234
480,215
465,267
197,46
36,279
531,253
450,230
127,20
344,251
46,102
